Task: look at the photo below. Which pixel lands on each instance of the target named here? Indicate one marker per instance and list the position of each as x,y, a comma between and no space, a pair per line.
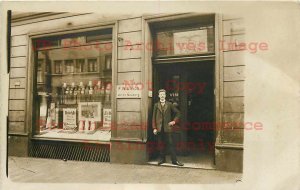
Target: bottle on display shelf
93,126
75,94
63,93
91,91
108,93
90,83
97,92
81,126
81,92
59,95
71,94
57,115
82,97
107,102
86,125
102,93
68,94
86,93
78,94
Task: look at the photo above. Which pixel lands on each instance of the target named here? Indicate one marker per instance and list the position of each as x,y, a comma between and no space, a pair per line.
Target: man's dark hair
162,90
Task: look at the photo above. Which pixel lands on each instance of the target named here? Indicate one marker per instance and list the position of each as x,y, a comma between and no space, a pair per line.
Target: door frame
183,74
149,71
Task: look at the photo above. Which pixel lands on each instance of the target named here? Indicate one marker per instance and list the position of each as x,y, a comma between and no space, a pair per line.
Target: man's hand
171,123
155,131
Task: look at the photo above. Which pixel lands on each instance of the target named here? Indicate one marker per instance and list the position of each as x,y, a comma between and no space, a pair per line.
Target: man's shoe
177,163
161,162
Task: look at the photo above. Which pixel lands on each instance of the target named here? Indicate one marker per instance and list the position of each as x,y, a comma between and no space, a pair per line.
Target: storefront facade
82,86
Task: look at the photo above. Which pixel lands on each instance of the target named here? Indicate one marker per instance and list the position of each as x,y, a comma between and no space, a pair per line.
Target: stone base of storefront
128,152
18,145
229,158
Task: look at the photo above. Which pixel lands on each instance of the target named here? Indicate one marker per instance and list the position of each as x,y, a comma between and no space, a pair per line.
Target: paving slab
39,170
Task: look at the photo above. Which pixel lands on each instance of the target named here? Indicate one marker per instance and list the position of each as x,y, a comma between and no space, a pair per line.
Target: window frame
30,117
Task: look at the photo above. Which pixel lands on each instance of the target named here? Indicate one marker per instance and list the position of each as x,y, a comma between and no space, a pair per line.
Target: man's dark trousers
166,140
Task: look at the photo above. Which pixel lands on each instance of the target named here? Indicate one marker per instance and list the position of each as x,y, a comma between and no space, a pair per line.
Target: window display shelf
98,135
82,73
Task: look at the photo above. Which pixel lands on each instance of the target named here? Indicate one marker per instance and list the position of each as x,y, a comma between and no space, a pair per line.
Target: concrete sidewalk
58,171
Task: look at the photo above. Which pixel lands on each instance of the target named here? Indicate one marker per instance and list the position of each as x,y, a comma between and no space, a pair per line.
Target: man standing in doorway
162,124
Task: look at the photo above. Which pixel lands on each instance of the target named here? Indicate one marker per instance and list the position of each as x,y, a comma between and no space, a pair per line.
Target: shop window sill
60,135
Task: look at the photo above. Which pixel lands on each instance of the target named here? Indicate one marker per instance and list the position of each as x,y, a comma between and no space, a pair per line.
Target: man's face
162,96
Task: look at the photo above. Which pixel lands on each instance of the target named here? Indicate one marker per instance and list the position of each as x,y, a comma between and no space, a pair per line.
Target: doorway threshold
186,165
189,162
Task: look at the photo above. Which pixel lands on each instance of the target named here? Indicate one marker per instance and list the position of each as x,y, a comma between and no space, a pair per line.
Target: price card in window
69,119
106,118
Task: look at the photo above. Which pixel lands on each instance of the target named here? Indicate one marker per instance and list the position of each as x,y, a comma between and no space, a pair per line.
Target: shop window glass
73,86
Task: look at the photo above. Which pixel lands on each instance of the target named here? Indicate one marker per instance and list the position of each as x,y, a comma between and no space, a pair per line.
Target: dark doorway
190,86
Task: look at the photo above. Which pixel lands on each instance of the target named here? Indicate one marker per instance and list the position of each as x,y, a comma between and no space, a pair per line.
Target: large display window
72,86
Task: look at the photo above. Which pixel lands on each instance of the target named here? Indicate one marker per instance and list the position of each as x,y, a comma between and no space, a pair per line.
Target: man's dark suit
162,115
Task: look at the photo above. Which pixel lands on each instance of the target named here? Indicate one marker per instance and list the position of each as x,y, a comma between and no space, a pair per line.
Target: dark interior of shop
190,86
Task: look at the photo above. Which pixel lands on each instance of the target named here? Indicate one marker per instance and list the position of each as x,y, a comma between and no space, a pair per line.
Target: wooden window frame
32,56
